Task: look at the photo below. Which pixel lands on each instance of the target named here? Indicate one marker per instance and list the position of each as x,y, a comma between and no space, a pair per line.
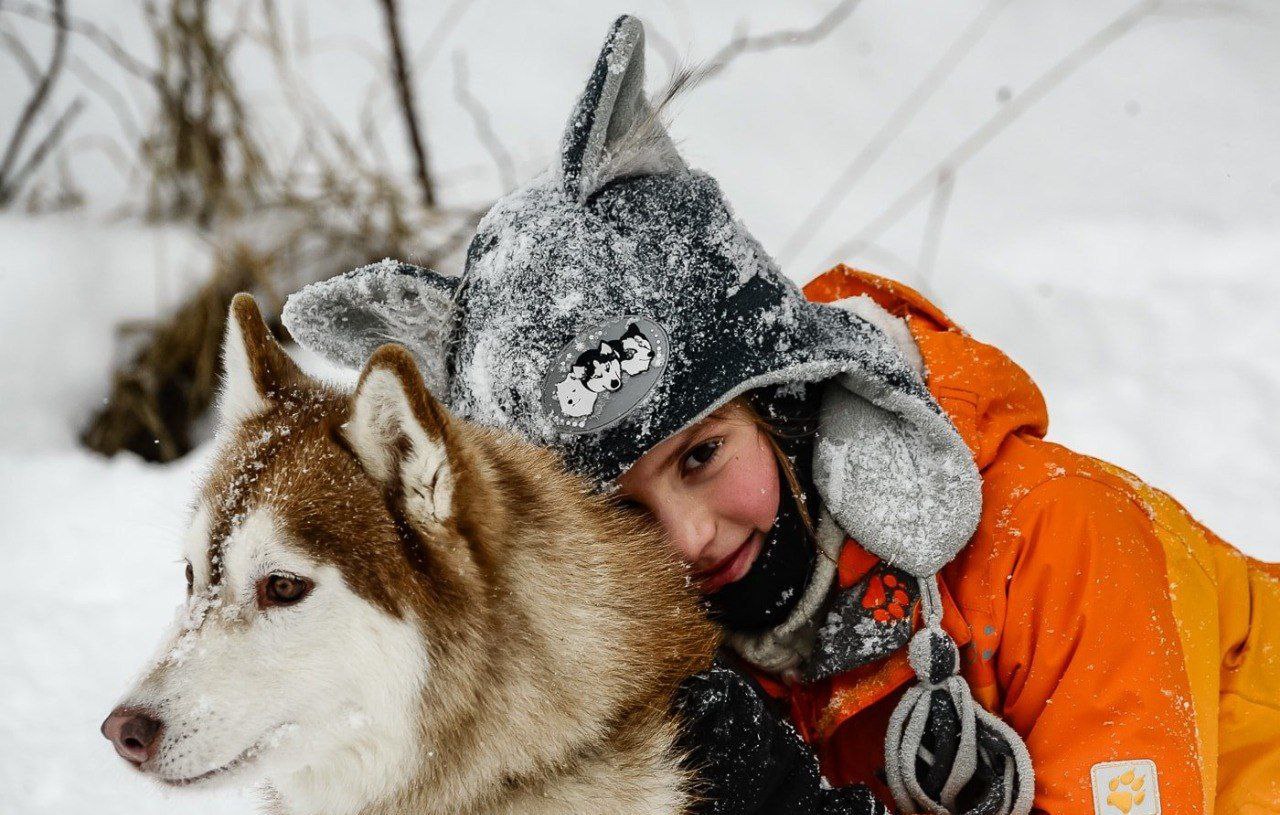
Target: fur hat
615,300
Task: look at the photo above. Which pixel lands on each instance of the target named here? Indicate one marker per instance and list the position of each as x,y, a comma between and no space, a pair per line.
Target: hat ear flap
895,474
612,114
348,317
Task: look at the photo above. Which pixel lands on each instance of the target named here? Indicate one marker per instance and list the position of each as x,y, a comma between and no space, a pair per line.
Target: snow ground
1121,241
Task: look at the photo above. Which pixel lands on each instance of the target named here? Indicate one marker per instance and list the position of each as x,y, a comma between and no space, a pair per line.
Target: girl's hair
741,407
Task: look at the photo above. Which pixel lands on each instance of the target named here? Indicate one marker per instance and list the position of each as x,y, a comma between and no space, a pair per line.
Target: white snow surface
1121,241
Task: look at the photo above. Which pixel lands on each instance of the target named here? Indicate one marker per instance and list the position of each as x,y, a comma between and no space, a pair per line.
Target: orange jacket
1136,653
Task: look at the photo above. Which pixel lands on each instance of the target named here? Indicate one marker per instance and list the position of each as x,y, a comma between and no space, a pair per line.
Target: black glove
749,760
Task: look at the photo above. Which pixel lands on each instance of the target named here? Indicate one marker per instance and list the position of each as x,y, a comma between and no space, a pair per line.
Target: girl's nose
690,526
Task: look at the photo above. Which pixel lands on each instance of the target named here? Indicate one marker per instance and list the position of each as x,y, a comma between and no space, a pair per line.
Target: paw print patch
868,621
885,598
1125,788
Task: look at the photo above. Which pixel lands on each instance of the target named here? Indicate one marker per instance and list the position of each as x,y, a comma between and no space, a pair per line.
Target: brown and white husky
393,610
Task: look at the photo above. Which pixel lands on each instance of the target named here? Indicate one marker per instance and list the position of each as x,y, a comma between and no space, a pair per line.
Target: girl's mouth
733,566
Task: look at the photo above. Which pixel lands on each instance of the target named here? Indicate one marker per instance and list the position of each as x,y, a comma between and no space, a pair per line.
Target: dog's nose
134,732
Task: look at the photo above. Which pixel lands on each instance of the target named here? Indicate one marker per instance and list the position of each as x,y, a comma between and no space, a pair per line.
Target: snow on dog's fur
392,610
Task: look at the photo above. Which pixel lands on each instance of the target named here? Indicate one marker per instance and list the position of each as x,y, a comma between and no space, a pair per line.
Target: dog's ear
257,369
400,432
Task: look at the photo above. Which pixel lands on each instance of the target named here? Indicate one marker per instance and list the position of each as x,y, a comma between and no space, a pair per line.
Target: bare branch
741,43
20,53
404,87
115,154
483,124
109,94
933,226
307,108
435,41
371,128
866,158
104,41
39,97
37,156
994,126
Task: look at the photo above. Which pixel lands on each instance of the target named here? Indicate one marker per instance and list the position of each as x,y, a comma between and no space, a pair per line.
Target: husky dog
600,369
391,610
575,398
634,350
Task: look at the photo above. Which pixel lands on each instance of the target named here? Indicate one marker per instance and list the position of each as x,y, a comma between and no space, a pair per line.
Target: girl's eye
282,590
191,579
702,454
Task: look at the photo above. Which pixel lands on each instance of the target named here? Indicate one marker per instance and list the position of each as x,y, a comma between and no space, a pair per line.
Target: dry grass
159,393
202,156
274,225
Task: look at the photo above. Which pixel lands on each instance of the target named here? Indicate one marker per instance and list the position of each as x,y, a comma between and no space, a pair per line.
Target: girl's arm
1098,654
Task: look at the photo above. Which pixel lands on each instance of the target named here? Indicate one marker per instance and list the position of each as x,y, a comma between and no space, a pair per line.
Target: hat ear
613,131
348,317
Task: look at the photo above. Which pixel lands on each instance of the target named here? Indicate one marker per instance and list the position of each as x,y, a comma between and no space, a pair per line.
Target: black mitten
749,760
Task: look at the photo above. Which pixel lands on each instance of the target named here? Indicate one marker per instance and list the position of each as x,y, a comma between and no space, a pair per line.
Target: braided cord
944,753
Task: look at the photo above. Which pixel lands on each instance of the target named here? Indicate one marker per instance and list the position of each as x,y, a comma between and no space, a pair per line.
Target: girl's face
714,488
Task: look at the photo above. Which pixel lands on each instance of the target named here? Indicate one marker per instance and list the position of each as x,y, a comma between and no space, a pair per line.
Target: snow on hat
615,300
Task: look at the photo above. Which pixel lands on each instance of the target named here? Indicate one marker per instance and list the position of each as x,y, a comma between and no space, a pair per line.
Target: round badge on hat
602,374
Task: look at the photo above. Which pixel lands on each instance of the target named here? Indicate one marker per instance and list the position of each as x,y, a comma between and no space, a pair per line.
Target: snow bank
66,283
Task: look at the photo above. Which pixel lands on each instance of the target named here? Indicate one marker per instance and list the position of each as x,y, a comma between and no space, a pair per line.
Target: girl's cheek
746,489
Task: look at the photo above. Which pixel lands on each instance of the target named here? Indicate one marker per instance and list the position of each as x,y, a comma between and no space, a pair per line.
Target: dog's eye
191,579
282,590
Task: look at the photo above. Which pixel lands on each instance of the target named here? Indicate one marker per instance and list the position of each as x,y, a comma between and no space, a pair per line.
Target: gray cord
936,660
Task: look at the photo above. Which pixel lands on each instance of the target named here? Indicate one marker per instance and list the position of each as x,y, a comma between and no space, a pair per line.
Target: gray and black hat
615,300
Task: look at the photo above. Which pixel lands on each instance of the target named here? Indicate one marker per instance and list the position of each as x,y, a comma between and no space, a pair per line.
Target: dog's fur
484,634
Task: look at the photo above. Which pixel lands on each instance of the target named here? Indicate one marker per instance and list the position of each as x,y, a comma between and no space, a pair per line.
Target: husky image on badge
1125,788
602,374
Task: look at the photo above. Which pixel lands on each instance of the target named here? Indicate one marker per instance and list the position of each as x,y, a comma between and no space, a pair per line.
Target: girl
952,611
